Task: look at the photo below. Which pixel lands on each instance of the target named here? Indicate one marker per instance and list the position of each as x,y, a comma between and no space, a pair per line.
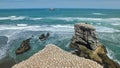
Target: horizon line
63,8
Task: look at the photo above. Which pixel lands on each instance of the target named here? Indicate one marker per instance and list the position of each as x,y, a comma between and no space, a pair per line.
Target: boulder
44,37
86,44
25,46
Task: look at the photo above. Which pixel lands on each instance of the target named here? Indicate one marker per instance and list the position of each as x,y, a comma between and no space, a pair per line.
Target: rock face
87,45
85,35
54,57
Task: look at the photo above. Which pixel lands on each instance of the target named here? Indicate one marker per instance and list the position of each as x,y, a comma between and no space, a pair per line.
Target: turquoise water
20,24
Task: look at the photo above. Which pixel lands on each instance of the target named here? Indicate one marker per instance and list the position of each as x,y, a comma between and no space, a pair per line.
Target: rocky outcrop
44,37
54,57
25,46
85,34
87,45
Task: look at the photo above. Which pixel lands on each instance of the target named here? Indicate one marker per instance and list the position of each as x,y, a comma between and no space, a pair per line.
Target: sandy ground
54,57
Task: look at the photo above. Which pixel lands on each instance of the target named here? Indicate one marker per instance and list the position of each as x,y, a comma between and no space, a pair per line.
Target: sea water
20,24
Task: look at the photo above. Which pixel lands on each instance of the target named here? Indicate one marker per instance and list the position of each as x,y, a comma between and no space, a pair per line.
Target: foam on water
13,18
112,56
83,19
59,18
67,28
106,29
39,18
98,14
21,25
4,49
115,24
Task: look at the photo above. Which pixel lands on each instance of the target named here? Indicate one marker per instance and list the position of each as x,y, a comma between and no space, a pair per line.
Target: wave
106,29
21,25
13,18
58,27
38,27
111,55
58,18
98,14
3,46
115,24
39,18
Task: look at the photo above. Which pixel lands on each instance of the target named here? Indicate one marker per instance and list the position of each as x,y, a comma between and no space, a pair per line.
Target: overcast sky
105,4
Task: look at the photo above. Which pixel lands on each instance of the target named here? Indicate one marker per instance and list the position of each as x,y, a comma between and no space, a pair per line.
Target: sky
98,4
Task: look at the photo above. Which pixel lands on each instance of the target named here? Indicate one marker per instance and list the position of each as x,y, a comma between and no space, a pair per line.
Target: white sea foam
3,51
111,55
59,18
38,28
106,29
98,14
116,23
39,18
13,18
21,25
58,27
11,36
84,19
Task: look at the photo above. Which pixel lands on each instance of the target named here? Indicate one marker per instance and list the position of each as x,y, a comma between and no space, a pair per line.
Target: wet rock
86,44
44,37
25,46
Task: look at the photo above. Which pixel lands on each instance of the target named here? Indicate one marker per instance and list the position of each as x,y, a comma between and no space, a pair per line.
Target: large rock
87,45
85,34
25,46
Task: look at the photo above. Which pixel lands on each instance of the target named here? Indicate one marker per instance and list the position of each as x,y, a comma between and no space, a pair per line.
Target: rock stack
86,44
85,34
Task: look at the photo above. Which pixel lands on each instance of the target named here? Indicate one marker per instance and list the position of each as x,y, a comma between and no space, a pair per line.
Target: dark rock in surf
44,37
25,46
86,44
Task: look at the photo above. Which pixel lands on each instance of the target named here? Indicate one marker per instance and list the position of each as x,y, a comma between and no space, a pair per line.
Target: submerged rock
25,46
87,45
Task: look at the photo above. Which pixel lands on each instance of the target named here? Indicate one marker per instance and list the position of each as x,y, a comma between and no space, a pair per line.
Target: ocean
20,24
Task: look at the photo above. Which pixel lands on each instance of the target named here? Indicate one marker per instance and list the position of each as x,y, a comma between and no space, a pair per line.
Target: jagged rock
85,34
44,37
25,46
86,44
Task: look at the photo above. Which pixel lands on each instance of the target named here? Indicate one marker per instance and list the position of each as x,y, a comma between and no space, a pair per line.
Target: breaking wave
13,18
111,55
98,14
106,29
38,27
58,27
58,18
